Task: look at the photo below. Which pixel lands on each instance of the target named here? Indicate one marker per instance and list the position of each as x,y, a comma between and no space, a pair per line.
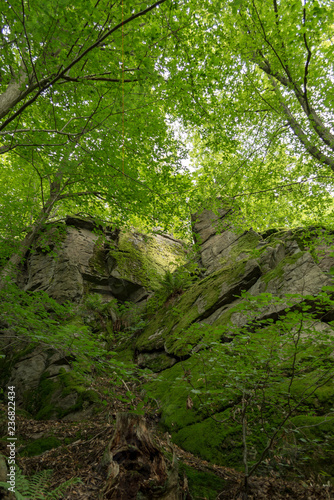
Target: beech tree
87,89
259,84
82,122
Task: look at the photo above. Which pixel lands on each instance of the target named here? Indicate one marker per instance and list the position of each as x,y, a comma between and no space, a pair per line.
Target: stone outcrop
280,264
79,257
43,380
248,285
138,262
74,261
281,272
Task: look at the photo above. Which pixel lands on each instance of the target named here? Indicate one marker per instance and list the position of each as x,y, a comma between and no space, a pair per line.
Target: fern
36,487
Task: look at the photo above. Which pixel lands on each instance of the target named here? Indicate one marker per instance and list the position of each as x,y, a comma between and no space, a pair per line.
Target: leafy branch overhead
99,106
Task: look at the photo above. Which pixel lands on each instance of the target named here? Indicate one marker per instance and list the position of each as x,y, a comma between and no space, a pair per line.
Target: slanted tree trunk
136,467
11,269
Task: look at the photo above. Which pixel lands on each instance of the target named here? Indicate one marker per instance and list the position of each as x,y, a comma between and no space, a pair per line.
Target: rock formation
249,286
79,257
72,261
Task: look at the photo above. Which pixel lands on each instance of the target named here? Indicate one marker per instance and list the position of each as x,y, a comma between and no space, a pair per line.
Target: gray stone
219,242
156,361
26,374
62,275
271,257
302,276
207,223
80,257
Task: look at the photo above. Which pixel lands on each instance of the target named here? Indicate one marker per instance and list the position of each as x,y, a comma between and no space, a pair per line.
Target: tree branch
309,55
49,81
314,119
298,131
81,193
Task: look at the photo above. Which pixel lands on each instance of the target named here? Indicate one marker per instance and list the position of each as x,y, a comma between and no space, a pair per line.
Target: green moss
98,261
278,236
7,363
46,401
38,401
245,245
145,259
170,326
156,362
217,443
202,484
124,352
73,383
38,446
311,442
313,427
320,398
171,388
222,443
278,272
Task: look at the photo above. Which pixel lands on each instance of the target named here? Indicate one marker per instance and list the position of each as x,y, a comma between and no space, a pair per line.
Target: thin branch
284,66
28,43
48,131
309,55
282,186
314,119
304,139
62,73
95,79
80,193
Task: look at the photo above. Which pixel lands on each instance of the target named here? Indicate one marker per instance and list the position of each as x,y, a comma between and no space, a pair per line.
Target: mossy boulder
139,261
201,397
219,243
202,483
311,441
46,386
156,361
57,397
176,327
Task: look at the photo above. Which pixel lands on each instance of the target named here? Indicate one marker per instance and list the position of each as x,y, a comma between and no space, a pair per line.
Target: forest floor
87,441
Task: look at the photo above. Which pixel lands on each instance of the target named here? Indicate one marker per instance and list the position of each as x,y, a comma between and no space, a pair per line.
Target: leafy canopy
257,102
86,103
82,120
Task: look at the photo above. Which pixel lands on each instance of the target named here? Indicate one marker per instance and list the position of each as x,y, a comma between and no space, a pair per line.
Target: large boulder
138,262
69,260
96,268
80,257
45,385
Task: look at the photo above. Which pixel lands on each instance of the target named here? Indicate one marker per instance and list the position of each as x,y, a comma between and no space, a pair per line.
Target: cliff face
88,266
252,346
239,342
80,257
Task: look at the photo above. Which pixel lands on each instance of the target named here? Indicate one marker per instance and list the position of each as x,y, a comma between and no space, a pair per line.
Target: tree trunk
136,467
11,269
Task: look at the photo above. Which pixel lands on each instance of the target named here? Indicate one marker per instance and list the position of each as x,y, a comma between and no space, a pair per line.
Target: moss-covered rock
156,361
170,327
59,396
201,398
143,259
311,442
202,483
219,243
